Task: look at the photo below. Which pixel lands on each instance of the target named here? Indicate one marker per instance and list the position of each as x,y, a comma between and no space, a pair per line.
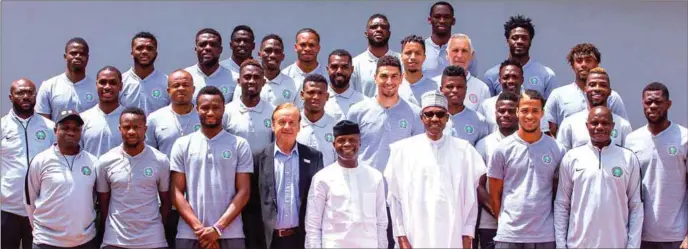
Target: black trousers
16,230
93,244
391,241
660,245
289,242
171,228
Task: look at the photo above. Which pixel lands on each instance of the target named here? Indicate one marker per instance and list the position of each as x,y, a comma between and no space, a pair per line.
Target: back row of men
383,120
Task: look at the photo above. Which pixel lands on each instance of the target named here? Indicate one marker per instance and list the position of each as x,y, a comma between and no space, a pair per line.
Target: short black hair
241,28
250,62
510,62
519,21
413,38
145,35
317,78
584,49
657,86
209,31
442,3
308,30
272,37
210,90
133,110
77,40
110,68
377,15
532,94
452,71
506,95
388,60
340,52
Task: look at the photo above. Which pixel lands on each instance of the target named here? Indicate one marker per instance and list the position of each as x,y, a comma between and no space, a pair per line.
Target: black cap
345,127
69,115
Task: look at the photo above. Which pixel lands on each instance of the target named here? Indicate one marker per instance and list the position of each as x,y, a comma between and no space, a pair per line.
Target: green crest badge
403,123
473,98
614,133
148,172
533,80
286,93
329,137
197,127
86,170
156,93
672,150
547,159
89,97
267,122
468,129
226,154
617,171
40,135
224,89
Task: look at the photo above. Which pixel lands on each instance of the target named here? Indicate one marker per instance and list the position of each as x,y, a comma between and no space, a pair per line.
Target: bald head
180,87
23,97
600,111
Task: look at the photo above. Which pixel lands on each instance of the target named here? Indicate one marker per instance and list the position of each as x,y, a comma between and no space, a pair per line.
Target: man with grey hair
433,201
460,53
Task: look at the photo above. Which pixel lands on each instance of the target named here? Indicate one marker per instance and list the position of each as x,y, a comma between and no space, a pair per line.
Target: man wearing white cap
432,183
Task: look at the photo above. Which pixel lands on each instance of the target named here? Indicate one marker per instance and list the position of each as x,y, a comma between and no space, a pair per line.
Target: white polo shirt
363,76
134,183
294,72
436,60
569,99
59,197
413,92
536,77
338,104
319,135
476,91
21,140
222,79
149,94
573,132
279,90
166,126
100,132
59,93
251,123
232,66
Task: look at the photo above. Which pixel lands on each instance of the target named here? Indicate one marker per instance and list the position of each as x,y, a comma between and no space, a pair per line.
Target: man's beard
19,110
150,63
659,120
211,126
512,51
373,43
211,62
340,84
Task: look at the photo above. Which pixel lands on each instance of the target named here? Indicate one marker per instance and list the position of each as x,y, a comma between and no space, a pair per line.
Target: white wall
640,41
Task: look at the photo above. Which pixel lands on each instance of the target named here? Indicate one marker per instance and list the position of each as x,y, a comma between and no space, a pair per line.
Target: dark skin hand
484,195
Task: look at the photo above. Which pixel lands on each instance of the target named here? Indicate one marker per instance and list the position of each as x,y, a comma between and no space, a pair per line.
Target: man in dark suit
274,217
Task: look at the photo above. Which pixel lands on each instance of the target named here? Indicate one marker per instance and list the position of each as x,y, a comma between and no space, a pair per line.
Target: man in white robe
432,182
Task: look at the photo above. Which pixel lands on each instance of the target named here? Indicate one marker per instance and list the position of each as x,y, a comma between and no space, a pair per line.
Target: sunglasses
438,114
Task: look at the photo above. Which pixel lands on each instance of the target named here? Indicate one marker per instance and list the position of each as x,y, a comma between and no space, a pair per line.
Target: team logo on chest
267,122
89,97
533,80
468,129
156,93
547,159
86,170
403,123
40,135
197,127
226,154
473,98
672,150
614,133
329,137
617,171
148,172
286,94
224,89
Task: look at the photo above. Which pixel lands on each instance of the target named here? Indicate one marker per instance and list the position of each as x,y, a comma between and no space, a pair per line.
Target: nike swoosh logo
579,170
163,128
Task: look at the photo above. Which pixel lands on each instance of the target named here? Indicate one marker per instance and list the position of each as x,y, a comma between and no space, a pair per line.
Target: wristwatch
217,229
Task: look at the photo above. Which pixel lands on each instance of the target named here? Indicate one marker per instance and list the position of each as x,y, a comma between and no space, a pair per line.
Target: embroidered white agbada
432,190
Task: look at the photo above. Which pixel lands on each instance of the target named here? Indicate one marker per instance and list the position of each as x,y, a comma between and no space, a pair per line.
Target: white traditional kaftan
432,190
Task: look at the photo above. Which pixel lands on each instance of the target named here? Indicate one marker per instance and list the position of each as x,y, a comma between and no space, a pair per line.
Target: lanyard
71,165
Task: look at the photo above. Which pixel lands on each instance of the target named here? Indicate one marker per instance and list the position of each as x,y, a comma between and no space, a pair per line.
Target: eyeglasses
438,114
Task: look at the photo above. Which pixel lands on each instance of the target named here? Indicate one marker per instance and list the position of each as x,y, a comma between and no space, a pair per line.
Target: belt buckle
284,232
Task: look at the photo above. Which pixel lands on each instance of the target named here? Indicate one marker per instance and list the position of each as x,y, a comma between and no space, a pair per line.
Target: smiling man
346,201
242,42
144,86
72,89
208,72
342,93
441,20
415,83
378,31
662,149
432,182
307,47
598,201
101,123
464,123
572,133
250,117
